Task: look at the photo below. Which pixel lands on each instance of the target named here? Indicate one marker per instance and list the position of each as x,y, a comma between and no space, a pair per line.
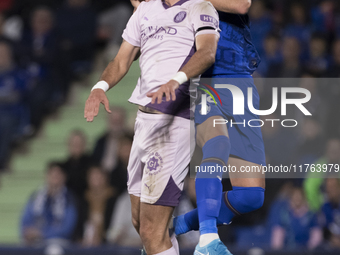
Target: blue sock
208,183
186,222
240,200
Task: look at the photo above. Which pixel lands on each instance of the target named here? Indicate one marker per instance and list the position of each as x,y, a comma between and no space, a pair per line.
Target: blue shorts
246,141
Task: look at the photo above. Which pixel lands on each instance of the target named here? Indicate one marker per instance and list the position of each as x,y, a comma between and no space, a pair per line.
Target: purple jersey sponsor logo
154,164
210,19
180,17
156,32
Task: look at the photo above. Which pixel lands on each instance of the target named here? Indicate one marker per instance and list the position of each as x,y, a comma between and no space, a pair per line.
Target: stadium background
296,39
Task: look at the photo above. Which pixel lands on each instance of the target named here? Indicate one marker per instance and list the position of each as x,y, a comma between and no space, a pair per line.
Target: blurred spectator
39,53
290,67
77,163
280,202
332,127
118,177
280,142
6,5
121,231
334,70
337,19
10,27
296,226
314,180
51,212
318,61
312,142
3,35
106,148
331,210
112,21
14,116
97,207
271,54
76,22
323,17
317,106
261,24
39,43
24,8
334,240
298,23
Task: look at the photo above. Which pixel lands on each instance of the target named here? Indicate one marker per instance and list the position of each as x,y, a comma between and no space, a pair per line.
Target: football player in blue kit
222,145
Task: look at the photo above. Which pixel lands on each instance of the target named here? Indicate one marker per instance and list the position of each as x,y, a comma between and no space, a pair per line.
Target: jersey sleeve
205,19
132,32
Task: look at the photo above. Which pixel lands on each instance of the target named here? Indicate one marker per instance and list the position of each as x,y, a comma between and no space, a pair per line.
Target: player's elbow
244,6
209,57
211,60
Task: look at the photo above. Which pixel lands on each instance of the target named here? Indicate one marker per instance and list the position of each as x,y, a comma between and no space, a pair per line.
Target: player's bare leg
207,131
240,179
154,232
135,211
152,228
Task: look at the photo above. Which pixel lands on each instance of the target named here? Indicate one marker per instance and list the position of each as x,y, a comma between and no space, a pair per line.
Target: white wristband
180,77
101,85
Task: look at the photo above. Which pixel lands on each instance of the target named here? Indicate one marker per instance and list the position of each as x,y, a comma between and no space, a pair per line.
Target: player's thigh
207,130
166,161
135,211
247,174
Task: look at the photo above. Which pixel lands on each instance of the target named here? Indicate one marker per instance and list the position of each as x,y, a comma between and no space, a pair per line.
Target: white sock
207,238
175,243
171,251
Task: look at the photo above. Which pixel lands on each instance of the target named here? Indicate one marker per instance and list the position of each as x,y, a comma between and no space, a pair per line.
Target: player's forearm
121,64
200,62
232,6
114,72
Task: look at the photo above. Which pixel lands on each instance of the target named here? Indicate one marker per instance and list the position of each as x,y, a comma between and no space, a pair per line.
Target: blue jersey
236,54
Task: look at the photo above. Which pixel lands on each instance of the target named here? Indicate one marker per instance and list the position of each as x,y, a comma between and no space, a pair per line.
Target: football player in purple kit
177,40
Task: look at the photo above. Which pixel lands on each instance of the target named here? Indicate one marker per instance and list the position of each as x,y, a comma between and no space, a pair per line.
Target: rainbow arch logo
206,89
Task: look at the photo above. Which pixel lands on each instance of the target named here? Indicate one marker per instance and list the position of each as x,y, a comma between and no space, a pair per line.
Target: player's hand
92,104
167,90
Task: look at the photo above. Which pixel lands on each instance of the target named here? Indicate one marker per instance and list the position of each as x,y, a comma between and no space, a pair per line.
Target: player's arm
113,73
232,6
135,4
204,57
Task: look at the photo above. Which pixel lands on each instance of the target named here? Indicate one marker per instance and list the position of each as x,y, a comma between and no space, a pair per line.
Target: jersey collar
180,2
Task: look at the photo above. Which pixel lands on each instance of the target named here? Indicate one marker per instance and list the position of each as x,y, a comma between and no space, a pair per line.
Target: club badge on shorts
154,164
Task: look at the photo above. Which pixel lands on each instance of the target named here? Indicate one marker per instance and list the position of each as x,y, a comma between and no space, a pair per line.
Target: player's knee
248,199
148,233
145,235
